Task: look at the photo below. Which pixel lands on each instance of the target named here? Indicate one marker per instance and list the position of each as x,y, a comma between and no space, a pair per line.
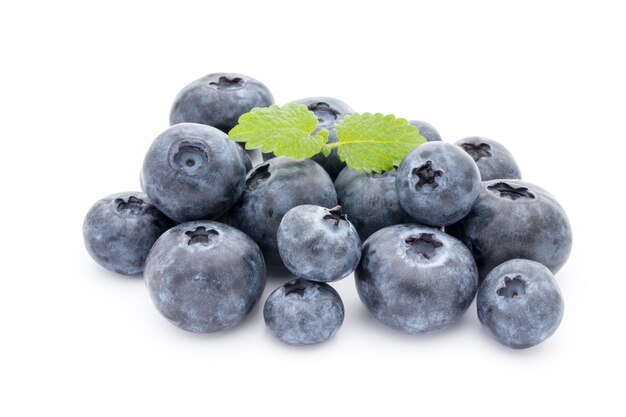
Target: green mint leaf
375,142
284,130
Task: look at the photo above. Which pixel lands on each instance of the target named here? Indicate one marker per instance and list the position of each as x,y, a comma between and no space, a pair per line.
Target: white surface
85,89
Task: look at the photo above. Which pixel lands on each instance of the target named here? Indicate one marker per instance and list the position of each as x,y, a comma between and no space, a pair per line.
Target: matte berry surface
520,303
303,312
437,183
219,100
370,200
271,190
516,219
494,161
192,172
416,279
120,229
427,130
318,243
205,276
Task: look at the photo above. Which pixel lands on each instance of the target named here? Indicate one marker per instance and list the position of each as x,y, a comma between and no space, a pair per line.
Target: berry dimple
426,175
505,190
258,175
482,150
424,244
224,83
325,114
335,215
297,287
190,157
200,235
132,205
513,287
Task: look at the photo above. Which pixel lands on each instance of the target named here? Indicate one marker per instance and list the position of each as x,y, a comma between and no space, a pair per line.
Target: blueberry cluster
451,221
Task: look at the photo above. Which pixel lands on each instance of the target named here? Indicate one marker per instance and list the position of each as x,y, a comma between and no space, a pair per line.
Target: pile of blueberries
452,221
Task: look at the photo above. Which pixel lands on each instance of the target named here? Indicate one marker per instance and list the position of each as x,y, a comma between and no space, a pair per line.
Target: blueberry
205,276
193,171
119,231
520,303
437,183
271,190
219,99
329,111
318,244
494,161
426,130
416,279
303,312
370,199
515,219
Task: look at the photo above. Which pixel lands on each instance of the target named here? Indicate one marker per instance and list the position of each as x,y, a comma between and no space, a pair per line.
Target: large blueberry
318,243
193,171
303,312
370,200
271,190
520,303
219,99
205,276
329,111
494,161
416,279
437,183
427,130
515,219
120,229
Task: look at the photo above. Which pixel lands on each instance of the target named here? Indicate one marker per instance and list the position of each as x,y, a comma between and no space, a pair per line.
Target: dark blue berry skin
329,111
245,158
205,276
520,303
516,219
303,312
318,243
370,200
219,99
416,279
120,229
494,161
437,183
427,131
271,190
192,172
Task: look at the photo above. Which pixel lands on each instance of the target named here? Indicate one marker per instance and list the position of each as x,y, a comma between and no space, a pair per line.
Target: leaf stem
333,145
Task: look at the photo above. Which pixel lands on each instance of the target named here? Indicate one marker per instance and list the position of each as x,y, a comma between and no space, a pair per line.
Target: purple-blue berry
519,303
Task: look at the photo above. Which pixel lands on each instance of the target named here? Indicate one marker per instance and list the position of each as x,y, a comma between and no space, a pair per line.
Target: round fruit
416,279
303,312
192,172
437,183
219,100
520,303
318,244
205,276
120,229
516,219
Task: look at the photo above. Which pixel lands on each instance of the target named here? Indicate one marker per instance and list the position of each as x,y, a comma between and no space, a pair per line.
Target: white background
85,88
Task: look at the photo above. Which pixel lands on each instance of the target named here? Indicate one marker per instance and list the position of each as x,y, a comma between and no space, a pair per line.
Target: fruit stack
424,224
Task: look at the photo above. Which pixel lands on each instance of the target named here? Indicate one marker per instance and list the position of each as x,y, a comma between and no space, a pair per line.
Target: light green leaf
283,130
375,142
